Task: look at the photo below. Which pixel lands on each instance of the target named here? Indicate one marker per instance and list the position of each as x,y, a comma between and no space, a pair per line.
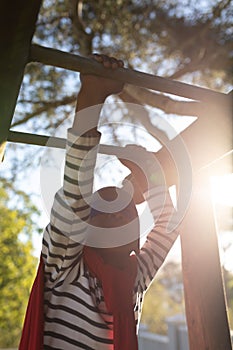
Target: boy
94,285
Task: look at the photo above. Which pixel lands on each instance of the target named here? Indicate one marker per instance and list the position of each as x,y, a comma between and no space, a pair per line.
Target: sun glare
222,189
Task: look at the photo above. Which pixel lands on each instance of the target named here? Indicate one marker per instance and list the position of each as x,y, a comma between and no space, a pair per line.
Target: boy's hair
119,221
113,200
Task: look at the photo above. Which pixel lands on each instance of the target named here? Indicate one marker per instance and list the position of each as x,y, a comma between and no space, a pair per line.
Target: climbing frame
208,139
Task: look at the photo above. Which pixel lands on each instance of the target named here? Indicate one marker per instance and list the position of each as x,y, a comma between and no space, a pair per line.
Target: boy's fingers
116,63
97,57
108,62
120,63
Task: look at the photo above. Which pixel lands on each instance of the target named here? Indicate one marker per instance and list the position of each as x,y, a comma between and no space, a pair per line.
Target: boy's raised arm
62,237
147,178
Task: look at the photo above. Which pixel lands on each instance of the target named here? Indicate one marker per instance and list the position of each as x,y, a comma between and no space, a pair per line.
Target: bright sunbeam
222,189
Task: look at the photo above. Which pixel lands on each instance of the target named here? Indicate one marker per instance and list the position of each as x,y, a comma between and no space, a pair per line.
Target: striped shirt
75,312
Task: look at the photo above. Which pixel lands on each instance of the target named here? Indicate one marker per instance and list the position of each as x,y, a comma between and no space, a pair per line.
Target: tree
180,40
228,278
17,263
164,298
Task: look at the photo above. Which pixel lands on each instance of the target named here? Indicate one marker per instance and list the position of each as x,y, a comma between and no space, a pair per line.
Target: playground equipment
204,290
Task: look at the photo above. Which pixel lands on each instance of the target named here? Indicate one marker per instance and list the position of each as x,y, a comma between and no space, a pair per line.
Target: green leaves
17,265
164,298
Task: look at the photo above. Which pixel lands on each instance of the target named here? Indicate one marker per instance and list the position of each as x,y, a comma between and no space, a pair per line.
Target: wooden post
204,291
17,25
208,138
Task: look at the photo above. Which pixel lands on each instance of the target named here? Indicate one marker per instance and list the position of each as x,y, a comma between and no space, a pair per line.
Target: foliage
228,279
163,299
17,264
178,39
185,40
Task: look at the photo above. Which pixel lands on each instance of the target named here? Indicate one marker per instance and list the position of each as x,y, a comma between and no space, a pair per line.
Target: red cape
33,328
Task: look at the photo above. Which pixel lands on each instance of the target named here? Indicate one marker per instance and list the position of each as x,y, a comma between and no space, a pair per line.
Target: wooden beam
208,139
216,167
17,25
202,276
58,142
35,139
85,65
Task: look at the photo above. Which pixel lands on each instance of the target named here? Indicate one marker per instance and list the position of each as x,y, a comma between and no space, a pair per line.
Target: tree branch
46,106
144,118
165,103
84,39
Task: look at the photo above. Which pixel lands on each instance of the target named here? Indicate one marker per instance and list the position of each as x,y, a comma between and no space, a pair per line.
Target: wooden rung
34,139
57,142
85,65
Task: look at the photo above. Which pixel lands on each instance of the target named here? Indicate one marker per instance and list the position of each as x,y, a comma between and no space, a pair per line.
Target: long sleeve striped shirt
75,312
